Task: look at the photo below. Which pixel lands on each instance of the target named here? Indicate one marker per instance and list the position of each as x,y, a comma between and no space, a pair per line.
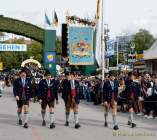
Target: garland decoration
77,20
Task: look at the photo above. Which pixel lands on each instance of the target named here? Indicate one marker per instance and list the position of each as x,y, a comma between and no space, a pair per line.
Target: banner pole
103,43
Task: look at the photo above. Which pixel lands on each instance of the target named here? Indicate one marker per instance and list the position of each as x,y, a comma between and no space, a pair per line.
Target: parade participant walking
133,93
47,95
23,92
122,95
2,84
110,92
70,95
154,95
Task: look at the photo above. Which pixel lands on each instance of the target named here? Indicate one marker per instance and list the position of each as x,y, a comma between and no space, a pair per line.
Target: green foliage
35,50
21,28
14,59
143,40
113,60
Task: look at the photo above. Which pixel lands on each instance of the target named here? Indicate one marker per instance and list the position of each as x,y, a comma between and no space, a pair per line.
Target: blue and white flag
47,20
98,50
110,48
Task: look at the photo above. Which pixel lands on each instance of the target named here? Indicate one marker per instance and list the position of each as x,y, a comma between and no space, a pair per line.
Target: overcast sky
123,16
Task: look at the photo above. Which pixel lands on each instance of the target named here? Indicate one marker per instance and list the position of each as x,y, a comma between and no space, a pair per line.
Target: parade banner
80,44
13,47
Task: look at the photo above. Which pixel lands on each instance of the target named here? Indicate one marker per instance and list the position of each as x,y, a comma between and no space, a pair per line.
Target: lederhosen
49,98
113,102
110,90
133,94
71,97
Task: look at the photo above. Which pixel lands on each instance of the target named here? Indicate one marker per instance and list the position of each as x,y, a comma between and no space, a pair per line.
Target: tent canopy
151,53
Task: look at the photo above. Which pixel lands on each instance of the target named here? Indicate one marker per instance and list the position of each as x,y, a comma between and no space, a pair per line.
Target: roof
151,53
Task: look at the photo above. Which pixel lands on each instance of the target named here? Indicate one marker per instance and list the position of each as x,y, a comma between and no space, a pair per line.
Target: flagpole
102,42
117,54
44,20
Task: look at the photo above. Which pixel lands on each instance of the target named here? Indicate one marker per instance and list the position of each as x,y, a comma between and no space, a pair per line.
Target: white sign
13,47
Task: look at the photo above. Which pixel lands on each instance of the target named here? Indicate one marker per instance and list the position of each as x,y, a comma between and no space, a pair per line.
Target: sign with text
13,47
132,58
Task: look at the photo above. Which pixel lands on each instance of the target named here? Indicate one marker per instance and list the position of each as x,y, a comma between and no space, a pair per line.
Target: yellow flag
55,19
98,10
1,66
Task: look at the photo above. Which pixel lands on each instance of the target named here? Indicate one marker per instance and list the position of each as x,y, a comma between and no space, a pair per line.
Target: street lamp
132,46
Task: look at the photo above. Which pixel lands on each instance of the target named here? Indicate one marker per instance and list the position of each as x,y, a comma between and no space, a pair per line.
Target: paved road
91,119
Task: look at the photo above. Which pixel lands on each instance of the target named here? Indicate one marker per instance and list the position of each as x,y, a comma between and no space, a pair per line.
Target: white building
150,57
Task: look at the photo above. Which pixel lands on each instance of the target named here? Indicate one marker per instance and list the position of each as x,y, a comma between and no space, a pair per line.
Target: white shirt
72,83
112,84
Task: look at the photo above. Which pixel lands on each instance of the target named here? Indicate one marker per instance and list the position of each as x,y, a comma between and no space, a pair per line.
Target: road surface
91,119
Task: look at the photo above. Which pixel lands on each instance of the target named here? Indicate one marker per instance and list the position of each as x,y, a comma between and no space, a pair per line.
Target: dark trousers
150,104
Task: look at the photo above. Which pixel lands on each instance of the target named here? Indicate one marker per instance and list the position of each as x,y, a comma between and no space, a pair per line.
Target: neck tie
49,82
23,89
112,85
49,93
23,82
72,84
73,89
49,90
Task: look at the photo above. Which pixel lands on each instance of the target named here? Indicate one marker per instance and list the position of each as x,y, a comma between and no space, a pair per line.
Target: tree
113,60
35,50
14,59
143,40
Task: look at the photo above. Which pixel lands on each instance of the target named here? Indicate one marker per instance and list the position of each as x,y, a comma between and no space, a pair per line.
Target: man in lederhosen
70,95
133,92
23,93
47,95
110,92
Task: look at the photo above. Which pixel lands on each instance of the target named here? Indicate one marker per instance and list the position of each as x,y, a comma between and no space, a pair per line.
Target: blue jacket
107,90
133,87
18,88
154,90
43,89
66,91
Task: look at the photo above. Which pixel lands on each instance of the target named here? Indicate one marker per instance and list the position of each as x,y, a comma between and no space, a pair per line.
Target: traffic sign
1,66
